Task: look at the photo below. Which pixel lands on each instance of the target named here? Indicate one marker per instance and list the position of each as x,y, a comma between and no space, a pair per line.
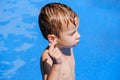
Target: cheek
67,39
70,40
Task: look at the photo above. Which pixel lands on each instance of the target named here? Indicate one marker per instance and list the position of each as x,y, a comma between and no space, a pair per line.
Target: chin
71,46
67,47
75,45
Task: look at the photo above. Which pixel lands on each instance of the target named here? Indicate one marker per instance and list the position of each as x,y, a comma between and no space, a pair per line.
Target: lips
77,41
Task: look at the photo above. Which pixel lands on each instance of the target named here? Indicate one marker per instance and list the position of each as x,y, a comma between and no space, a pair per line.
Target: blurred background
21,42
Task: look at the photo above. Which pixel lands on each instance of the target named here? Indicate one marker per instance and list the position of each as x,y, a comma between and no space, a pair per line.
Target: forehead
71,25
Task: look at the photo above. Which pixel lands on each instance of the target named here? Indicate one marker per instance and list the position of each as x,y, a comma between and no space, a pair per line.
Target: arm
46,64
51,70
54,73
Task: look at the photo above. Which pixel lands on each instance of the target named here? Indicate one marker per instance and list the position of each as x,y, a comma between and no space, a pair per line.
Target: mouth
77,41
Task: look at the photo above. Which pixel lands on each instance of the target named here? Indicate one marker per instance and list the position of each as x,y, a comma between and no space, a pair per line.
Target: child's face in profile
69,37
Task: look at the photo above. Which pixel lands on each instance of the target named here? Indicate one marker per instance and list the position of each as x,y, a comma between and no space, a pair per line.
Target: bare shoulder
46,63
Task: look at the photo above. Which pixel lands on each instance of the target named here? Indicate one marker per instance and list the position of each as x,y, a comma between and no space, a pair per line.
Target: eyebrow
73,31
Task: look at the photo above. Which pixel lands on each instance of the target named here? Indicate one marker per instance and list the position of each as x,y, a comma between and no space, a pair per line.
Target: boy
58,24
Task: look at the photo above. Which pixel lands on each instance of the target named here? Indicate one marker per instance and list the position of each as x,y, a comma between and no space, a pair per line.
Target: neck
66,51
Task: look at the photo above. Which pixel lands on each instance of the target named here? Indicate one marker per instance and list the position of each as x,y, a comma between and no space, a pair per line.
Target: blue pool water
21,43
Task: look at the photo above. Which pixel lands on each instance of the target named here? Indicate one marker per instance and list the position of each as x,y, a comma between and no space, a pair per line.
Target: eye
73,33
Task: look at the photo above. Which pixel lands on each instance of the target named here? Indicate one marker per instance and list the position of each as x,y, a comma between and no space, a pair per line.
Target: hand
55,53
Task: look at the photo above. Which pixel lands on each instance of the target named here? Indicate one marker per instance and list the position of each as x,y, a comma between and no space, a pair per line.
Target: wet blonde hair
52,16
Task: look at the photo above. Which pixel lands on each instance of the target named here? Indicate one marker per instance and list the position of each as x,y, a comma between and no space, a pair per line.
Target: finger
52,45
53,53
58,56
55,42
57,51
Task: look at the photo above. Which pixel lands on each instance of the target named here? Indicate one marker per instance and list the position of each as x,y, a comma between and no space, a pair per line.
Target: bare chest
67,70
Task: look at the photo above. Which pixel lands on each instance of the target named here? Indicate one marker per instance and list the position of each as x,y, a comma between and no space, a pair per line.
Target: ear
51,38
